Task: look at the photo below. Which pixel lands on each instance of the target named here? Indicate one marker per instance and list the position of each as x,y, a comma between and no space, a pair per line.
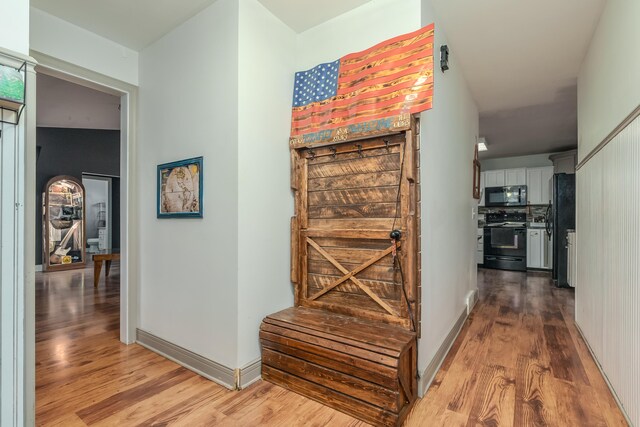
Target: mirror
63,224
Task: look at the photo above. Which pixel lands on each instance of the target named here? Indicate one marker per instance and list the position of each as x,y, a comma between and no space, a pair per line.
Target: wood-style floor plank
518,361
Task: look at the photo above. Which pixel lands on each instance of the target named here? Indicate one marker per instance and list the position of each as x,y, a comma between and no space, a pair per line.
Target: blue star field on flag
316,84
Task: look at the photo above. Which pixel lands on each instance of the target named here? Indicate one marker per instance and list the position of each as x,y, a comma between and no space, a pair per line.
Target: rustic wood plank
331,398
352,254
356,244
350,275
532,405
316,340
333,380
354,196
295,270
382,163
342,233
369,147
302,210
565,362
358,227
348,364
346,326
328,334
494,404
374,179
364,210
375,272
356,306
386,290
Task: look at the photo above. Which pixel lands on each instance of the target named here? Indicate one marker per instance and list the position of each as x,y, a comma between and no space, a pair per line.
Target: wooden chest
361,367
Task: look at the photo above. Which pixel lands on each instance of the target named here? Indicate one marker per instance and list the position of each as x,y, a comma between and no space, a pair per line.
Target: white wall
189,108
63,104
449,267
265,202
14,26
62,40
356,30
533,161
608,83
608,232
608,202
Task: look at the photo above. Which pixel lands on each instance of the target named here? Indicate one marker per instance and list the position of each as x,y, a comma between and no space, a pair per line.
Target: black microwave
515,195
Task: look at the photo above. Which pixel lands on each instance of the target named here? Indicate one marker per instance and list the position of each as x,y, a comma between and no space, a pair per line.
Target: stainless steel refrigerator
561,217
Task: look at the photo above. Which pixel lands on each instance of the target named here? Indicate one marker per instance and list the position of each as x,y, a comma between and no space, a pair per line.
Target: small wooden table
98,259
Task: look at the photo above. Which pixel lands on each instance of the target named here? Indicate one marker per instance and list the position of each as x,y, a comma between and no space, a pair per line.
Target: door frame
129,276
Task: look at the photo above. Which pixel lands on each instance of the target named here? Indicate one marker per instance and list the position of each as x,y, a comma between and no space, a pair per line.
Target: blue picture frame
179,187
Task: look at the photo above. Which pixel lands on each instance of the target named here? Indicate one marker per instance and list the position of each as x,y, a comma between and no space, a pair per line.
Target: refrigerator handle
547,224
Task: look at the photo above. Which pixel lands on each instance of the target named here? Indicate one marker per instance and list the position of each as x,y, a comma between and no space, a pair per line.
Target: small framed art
180,189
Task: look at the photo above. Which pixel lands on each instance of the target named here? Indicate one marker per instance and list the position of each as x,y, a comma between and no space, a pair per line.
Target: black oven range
505,241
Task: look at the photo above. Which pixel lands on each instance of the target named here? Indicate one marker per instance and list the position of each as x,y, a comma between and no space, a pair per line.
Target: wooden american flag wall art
364,93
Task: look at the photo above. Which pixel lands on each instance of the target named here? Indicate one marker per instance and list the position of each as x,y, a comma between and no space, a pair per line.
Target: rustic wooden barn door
349,198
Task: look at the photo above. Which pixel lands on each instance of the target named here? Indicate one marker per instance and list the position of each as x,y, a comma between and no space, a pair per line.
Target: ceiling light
482,144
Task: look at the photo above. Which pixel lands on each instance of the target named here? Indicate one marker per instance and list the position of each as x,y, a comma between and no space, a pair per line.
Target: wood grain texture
81,363
518,361
314,338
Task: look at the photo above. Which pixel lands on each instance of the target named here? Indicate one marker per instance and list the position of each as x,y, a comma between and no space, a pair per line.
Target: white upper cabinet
539,185
515,176
494,178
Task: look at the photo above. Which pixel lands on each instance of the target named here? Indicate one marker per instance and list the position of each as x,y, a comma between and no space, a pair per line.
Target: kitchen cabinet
539,181
515,176
534,248
538,249
480,247
494,178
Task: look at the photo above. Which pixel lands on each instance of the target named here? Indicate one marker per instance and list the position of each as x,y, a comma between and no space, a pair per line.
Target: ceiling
301,15
131,23
138,23
521,61
520,58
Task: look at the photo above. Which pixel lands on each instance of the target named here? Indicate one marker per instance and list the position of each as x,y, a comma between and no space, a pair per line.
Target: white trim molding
427,376
233,379
17,240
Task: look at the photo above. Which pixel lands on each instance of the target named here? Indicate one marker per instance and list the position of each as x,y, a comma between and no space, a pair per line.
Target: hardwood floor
519,361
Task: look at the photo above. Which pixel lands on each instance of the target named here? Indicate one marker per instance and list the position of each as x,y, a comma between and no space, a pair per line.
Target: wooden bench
361,367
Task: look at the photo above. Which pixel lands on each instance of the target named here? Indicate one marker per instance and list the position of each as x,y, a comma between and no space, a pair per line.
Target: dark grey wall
72,152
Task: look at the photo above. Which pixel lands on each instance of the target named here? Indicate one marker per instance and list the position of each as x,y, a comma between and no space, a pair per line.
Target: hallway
519,361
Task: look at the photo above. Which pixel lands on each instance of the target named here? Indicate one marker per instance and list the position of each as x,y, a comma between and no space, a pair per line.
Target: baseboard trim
210,369
604,375
38,268
472,299
426,377
249,374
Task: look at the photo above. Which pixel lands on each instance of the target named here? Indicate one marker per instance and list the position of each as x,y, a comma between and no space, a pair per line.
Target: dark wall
72,152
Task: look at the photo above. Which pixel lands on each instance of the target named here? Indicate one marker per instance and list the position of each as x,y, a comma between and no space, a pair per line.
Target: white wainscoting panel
608,264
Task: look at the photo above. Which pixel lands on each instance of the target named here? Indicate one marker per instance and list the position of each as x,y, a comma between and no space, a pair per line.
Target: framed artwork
180,189
476,175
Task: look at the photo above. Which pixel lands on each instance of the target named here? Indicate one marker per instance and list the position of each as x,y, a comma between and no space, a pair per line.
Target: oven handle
500,258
